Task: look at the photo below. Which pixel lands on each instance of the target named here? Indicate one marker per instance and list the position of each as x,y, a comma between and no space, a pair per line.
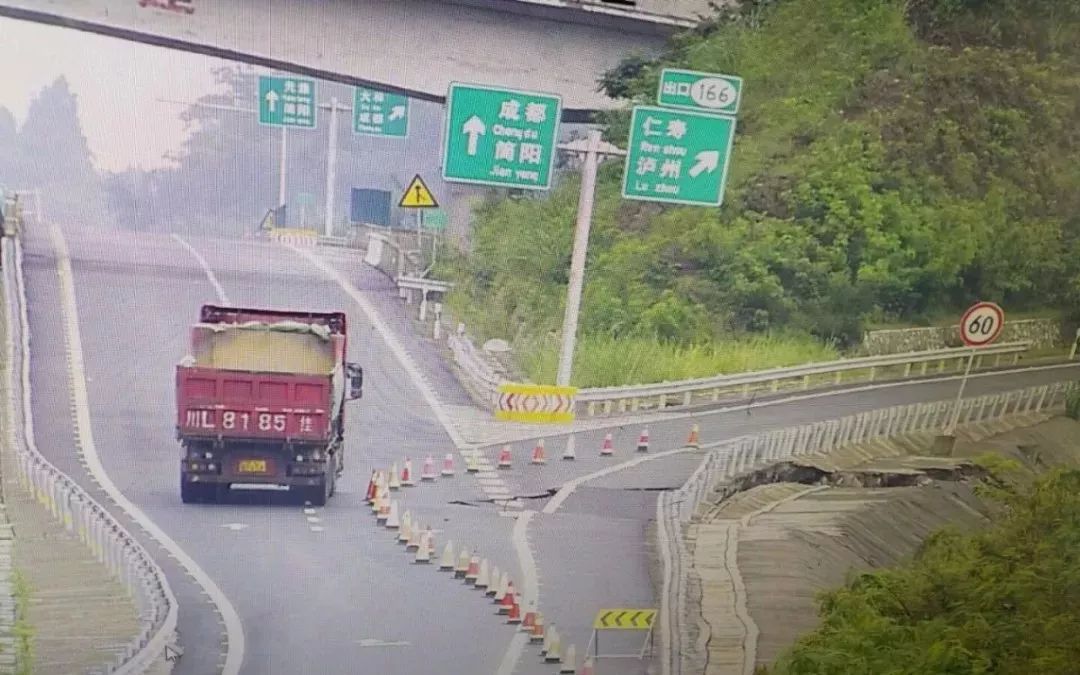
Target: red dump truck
260,402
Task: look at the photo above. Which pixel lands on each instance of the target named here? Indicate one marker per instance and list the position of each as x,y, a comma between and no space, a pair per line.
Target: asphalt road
328,591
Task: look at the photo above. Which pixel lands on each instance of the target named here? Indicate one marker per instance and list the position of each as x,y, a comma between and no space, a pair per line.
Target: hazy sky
117,83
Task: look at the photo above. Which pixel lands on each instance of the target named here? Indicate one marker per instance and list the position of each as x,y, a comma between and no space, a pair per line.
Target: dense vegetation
893,161
1004,601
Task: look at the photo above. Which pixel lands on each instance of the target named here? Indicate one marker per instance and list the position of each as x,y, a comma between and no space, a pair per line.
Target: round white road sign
981,324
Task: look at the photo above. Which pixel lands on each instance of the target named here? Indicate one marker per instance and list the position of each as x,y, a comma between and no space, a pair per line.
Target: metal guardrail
738,456
605,401
80,513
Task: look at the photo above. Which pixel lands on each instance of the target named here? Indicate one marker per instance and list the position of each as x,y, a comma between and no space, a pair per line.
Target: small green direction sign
699,91
287,101
376,113
435,220
677,156
500,137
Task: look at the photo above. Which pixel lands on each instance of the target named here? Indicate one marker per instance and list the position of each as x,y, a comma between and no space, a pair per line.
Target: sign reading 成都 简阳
287,102
677,156
377,113
500,137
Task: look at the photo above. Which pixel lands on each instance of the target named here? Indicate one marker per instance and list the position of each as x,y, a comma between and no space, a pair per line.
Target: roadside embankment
771,540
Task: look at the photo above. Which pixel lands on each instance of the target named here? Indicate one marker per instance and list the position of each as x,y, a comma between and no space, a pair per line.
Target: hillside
893,161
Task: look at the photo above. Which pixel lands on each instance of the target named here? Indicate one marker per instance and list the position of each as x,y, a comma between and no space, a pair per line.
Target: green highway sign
287,101
376,113
435,220
500,137
677,156
699,91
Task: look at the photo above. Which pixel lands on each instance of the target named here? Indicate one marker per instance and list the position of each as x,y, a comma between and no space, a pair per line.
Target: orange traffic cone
553,653
538,632
643,440
393,521
608,448
376,503
508,600
462,567
405,531
371,488
407,477
570,452
447,561
493,581
538,453
549,635
693,441
428,472
500,591
448,465
569,659
414,537
395,478
587,667
514,615
384,510
473,571
504,457
529,621
423,551
483,579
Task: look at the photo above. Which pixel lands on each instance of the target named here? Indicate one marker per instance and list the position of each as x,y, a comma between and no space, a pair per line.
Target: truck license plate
251,466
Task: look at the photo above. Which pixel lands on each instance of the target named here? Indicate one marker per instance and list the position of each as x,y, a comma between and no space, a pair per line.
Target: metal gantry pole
577,260
331,169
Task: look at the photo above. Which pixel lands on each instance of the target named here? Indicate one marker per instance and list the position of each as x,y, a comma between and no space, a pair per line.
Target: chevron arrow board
535,403
624,619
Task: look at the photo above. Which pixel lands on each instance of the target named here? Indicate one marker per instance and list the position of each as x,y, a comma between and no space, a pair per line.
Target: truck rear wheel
197,493
318,495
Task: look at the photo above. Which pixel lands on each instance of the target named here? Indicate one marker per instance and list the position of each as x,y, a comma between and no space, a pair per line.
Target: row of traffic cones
477,573
394,480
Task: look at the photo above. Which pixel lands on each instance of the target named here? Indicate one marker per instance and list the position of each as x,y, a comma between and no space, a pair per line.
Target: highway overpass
416,47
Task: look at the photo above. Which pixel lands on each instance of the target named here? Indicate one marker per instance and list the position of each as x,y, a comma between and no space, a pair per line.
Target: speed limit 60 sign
981,324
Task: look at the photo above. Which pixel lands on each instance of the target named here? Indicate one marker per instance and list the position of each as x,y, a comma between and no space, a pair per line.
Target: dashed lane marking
224,299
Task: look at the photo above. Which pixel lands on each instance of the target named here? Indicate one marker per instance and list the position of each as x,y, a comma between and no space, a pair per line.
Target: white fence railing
738,456
80,513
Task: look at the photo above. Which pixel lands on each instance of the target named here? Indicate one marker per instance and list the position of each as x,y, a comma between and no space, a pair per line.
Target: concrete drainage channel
733,466
80,513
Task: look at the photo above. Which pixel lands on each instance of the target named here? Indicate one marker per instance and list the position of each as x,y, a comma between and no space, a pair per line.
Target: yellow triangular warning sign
417,195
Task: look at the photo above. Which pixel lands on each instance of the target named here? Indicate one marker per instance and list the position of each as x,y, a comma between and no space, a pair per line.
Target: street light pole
594,150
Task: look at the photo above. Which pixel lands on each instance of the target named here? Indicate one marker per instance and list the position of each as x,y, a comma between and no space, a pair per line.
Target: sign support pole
331,169
577,260
954,417
281,167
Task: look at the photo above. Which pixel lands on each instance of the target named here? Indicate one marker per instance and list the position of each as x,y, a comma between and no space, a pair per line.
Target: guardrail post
922,370
1015,358
941,366
775,386
907,369
687,398
662,402
805,382
873,372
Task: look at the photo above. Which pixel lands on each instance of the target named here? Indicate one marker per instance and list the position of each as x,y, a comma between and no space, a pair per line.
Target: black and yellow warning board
418,196
624,619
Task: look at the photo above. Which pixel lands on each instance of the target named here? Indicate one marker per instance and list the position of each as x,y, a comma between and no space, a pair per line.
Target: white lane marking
530,590
317,528
234,629
390,339
314,519
224,299
309,511
372,642
235,527
566,490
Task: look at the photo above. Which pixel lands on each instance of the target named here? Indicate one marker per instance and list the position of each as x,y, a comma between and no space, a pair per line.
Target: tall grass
606,362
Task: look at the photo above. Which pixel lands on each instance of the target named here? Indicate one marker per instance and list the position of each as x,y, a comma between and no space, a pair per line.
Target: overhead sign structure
708,92
981,324
677,156
535,403
287,101
417,195
500,137
377,113
624,619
